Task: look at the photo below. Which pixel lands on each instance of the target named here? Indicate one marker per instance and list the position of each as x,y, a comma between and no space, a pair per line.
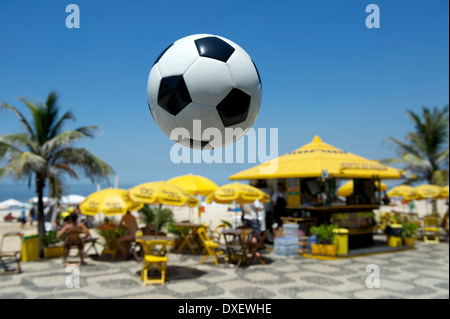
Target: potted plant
53,247
409,233
324,234
149,216
175,231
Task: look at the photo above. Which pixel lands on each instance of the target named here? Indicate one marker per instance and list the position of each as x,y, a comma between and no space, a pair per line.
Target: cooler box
30,248
291,230
286,246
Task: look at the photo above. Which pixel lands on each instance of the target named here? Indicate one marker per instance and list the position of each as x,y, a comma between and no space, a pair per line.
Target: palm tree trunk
40,214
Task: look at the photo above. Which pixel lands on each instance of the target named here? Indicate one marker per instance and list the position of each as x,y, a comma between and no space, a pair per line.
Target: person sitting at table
129,222
72,229
250,217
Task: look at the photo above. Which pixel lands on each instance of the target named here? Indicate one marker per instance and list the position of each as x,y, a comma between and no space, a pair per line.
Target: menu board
293,191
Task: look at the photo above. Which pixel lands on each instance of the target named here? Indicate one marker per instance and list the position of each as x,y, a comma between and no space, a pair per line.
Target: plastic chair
11,256
156,256
210,247
216,234
431,230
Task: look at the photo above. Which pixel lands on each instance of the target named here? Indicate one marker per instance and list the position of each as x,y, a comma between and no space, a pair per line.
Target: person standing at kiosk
279,202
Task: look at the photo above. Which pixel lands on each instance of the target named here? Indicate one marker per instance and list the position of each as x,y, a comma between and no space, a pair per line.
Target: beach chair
13,256
210,247
254,248
431,229
156,257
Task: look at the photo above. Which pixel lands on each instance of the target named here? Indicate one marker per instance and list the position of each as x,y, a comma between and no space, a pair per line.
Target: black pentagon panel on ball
173,94
214,48
195,143
162,53
233,109
257,72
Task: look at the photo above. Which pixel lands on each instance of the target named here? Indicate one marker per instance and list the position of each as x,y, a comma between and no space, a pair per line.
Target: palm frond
92,166
4,171
65,168
56,129
26,163
20,116
56,184
19,140
89,131
6,147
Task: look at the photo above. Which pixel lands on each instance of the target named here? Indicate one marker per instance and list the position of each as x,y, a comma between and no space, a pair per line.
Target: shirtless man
129,222
72,230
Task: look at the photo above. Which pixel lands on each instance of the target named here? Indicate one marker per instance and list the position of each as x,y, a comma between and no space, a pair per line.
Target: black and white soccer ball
204,77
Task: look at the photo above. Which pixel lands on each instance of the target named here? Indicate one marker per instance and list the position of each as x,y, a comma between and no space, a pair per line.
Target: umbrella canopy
10,203
312,159
425,191
444,192
72,199
194,184
347,189
34,200
109,201
405,191
237,192
162,193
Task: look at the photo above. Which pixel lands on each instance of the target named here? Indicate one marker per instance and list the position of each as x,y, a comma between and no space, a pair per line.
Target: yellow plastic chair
216,234
156,256
431,230
210,247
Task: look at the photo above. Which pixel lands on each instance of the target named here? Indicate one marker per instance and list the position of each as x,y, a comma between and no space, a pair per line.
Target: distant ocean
23,193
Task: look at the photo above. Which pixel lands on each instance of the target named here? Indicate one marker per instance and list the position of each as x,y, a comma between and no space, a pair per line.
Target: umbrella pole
235,210
157,219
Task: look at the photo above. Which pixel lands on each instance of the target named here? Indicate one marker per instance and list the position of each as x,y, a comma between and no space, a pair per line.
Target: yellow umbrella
237,192
425,191
444,192
162,193
347,189
312,159
407,192
109,201
194,184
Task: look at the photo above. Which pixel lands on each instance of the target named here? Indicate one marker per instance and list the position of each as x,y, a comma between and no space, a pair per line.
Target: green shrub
409,230
324,233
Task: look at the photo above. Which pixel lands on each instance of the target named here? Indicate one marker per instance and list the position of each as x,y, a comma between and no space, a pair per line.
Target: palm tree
425,151
43,153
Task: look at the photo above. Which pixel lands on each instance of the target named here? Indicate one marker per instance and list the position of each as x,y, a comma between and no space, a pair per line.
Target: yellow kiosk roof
312,159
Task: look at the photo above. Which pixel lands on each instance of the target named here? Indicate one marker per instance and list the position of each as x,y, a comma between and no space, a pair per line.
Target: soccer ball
208,78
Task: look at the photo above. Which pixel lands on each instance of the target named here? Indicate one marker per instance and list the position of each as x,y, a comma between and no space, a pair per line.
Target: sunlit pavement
419,273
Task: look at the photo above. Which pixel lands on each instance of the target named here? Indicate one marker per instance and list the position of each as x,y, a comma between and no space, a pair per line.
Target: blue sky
323,71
